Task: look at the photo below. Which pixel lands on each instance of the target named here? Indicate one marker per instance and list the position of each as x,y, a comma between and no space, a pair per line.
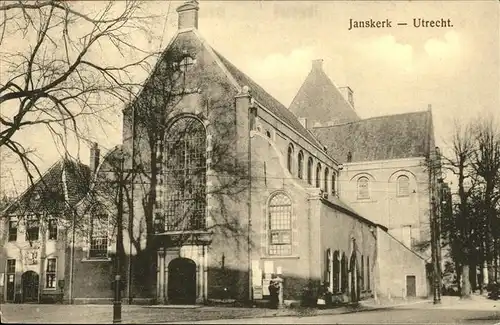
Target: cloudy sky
391,70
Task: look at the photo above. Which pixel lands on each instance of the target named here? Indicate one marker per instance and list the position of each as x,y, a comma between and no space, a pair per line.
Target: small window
52,229
363,190
11,266
13,230
403,185
318,175
50,274
309,170
334,184
268,134
32,228
289,160
300,165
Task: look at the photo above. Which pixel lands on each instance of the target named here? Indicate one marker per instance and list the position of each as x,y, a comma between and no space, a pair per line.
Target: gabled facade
34,234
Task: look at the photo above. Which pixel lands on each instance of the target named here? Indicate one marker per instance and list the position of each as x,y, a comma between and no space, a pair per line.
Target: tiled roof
319,100
379,138
267,100
47,194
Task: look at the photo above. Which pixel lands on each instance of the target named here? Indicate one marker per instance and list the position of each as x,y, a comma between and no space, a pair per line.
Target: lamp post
117,300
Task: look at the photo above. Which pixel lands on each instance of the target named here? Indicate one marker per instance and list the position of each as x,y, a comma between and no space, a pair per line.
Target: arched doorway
30,282
182,281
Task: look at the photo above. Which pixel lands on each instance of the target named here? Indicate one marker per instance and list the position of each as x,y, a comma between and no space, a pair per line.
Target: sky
393,70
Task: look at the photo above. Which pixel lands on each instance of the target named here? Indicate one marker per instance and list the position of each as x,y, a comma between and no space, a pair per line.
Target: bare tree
53,71
486,162
459,162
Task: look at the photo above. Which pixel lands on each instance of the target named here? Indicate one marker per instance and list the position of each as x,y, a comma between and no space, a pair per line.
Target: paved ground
475,311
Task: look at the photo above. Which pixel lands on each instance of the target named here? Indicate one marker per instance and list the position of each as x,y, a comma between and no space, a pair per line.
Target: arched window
362,271
368,273
300,164
289,160
184,183
403,185
318,175
363,188
334,183
280,225
336,272
344,271
309,170
327,178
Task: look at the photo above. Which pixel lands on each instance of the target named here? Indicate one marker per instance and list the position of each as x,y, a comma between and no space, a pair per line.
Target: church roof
379,138
267,100
62,186
319,100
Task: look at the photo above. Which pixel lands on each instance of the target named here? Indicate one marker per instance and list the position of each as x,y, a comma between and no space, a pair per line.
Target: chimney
317,64
348,94
303,121
188,14
94,157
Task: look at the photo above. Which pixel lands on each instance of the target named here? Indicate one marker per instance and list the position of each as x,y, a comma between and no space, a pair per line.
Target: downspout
252,111
72,251
131,211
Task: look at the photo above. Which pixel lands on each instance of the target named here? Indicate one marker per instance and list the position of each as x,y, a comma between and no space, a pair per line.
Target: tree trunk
465,290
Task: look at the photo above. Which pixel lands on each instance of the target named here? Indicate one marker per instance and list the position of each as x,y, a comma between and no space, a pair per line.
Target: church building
227,188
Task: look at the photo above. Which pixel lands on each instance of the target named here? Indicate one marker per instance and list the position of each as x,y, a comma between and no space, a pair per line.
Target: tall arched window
326,179
336,272
185,175
334,183
280,225
300,164
363,188
309,170
344,271
318,175
289,160
403,185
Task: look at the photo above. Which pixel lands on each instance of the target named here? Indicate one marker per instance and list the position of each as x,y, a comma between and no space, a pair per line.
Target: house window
334,184
363,190
99,231
318,175
403,185
327,178
50,274
32,228
184,183
11,266
309,170
13,230
300,164
52,229
289,160
280,225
